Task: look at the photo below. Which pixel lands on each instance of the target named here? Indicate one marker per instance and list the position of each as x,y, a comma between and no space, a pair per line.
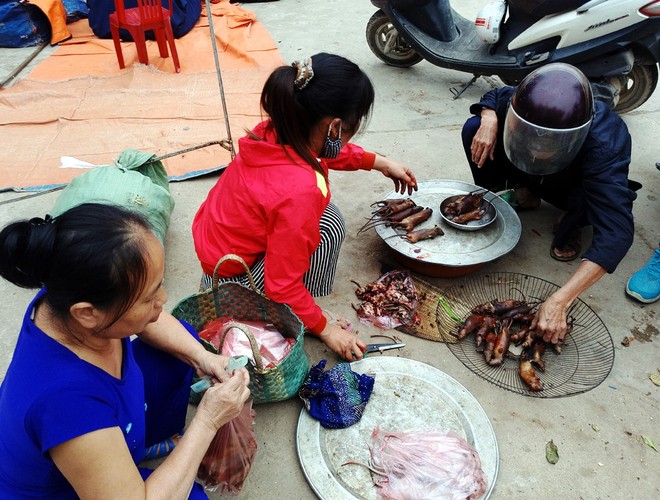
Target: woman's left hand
214,365
402,175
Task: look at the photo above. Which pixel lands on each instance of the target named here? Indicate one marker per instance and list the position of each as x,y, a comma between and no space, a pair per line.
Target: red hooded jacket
265,204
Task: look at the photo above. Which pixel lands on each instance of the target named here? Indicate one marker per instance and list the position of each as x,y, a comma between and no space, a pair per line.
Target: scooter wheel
636,87
386,43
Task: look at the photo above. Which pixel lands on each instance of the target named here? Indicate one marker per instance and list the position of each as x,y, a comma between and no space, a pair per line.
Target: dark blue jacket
597,179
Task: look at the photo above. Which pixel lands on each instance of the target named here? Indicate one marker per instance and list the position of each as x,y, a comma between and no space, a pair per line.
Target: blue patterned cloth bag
336,397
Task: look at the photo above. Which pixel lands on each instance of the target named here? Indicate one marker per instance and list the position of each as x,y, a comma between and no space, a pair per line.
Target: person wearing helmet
548,139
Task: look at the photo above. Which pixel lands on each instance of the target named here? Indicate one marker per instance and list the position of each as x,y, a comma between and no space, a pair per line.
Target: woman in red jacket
272,204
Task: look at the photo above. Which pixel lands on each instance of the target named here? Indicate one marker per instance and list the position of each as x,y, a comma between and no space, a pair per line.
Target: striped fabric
320,277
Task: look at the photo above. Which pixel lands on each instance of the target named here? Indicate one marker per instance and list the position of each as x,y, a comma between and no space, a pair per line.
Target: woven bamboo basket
234,300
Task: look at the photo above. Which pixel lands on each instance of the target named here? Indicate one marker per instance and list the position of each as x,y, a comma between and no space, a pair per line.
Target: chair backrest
150,10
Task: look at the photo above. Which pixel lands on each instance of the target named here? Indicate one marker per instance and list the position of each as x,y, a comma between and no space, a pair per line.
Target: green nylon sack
133,182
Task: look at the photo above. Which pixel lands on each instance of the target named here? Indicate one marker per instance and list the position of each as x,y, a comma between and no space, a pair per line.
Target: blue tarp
25,25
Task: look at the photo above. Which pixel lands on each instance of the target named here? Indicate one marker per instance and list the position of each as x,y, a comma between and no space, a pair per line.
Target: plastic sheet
273,347
425,465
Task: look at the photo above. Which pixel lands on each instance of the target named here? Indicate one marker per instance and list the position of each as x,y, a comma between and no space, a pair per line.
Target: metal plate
407,395
456,247
587,356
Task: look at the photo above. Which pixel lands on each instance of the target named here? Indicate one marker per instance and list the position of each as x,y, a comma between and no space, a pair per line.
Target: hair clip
38,221
305,73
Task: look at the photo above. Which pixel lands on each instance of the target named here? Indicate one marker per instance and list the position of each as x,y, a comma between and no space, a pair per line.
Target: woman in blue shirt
82,400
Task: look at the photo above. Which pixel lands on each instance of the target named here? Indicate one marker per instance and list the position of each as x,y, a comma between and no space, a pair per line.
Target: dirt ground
598,433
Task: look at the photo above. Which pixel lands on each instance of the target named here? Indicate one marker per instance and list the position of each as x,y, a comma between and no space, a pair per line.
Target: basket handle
258,361
235,258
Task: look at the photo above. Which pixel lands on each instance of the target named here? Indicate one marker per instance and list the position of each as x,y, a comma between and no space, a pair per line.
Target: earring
331,147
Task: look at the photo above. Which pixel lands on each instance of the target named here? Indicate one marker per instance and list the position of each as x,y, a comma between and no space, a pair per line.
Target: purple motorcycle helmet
548,119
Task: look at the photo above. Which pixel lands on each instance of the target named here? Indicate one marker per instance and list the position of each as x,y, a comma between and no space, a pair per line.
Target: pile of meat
389,302
497,325
403,214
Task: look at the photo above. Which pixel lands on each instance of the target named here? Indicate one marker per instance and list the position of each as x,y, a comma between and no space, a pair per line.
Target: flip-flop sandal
573,242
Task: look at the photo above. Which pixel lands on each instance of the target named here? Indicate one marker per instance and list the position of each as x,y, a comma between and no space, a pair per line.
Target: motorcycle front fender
435,18
652,45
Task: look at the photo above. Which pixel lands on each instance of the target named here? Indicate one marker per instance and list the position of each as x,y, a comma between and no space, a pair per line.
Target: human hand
484,141
343,342
403,177
224,400
214,365
550,320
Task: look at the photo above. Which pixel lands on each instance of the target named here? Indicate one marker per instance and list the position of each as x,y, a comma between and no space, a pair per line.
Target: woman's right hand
343,342
224,400
483,143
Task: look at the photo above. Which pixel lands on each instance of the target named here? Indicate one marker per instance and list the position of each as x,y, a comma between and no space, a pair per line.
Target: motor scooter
616,43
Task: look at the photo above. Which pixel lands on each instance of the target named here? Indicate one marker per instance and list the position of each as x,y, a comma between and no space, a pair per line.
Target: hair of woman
91,253
338,89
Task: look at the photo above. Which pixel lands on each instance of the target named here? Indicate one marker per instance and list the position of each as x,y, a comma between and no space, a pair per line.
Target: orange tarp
79,103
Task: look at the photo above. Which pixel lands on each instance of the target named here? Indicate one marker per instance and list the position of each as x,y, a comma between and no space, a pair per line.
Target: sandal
573,242
525,199
161,449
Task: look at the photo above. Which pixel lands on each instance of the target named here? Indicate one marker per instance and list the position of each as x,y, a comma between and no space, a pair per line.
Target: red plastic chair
148,15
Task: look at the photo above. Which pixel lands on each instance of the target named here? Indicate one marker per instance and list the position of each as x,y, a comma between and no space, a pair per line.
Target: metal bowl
488,217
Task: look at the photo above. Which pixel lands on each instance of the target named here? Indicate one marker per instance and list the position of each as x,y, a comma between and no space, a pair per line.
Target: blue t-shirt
49,396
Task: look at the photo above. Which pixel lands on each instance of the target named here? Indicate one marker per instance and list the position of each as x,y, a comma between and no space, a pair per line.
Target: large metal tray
407,395
456,247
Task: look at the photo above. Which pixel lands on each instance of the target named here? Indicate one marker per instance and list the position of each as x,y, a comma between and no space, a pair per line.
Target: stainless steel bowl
488,217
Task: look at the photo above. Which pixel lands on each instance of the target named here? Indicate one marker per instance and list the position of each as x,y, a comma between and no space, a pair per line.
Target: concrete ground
598,433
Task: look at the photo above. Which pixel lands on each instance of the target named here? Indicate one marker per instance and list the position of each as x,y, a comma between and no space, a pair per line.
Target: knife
382,347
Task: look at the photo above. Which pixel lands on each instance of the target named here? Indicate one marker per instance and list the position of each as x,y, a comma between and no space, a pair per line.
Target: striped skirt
320,277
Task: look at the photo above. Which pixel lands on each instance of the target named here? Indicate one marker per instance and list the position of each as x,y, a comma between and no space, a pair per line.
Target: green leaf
649,442
551,453
445,305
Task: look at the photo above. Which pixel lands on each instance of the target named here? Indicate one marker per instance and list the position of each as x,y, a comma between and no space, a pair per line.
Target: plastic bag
421,465
229,457
273,347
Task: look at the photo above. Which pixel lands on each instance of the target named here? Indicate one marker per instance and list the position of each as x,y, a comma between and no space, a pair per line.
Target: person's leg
320,277
166,389
567,240
257,272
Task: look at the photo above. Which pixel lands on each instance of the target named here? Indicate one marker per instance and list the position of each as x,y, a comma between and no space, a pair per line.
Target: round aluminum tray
455,247
407,395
